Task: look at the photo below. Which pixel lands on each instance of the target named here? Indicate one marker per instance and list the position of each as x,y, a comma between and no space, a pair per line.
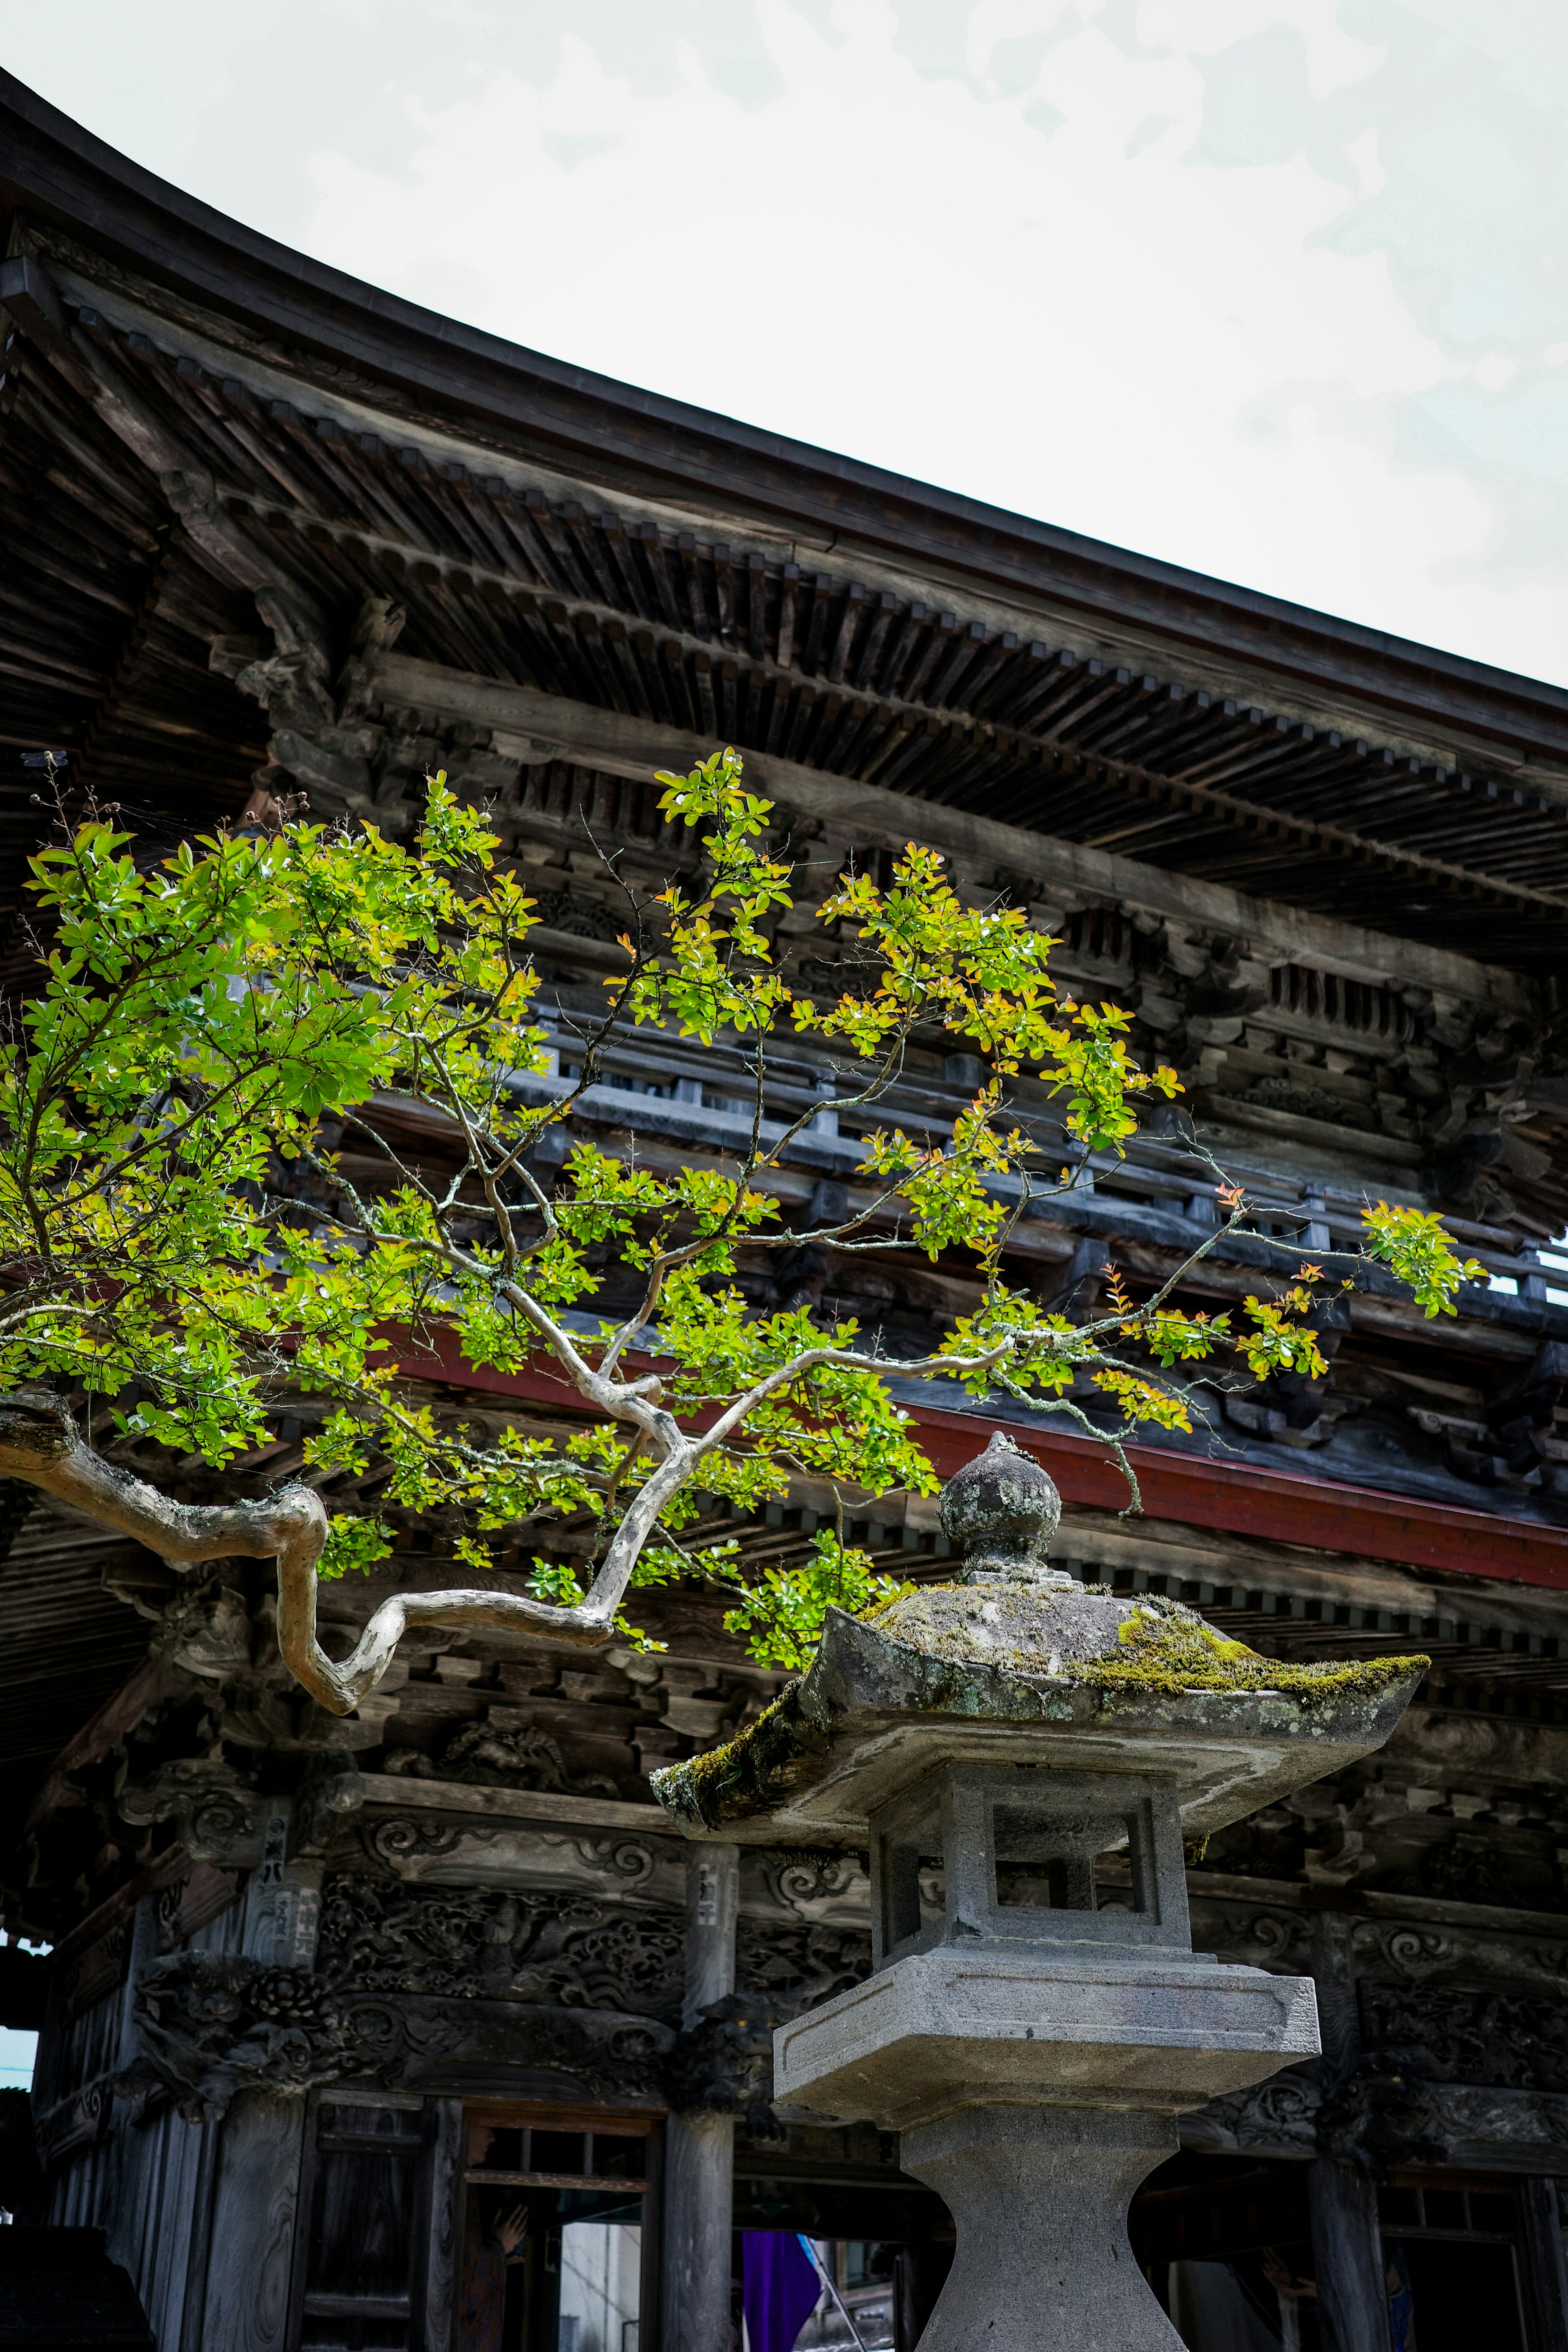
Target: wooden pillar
160,2172
699,2166
1347,2249
1347,2256
251,2251
443,2252
282,1897
255,2197
919,2273
1541,2258
650,2312
142,1953
700,2149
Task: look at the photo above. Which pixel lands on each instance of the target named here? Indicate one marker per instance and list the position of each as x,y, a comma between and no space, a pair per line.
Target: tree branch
41,1445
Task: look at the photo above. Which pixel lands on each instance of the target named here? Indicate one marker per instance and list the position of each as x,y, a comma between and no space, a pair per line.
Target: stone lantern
1024,1761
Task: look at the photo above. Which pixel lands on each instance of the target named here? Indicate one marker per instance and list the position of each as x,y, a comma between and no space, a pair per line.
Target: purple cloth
779,2290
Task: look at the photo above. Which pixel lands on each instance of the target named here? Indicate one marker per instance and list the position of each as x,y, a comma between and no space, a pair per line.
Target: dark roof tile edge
54,170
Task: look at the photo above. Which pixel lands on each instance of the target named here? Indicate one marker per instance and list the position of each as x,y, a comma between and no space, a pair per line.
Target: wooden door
373,2267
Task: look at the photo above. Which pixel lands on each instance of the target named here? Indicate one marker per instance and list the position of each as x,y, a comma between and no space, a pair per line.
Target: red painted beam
1276,1505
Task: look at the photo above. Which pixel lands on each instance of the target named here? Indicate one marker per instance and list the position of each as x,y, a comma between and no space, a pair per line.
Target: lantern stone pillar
1023,1760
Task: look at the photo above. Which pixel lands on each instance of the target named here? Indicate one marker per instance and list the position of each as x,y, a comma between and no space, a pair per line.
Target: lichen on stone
1024,1629
1000,1512
1168,1649
1007,1652
1144,1648
726,1781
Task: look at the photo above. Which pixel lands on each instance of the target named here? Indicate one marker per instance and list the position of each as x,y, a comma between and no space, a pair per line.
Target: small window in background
19,2045
600,2278
18,2050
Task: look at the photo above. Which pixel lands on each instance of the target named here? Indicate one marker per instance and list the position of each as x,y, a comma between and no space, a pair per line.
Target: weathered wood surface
253,2226
617,743
652,446
699,2194
699,2149
1347,2256
447,2142
1543,2262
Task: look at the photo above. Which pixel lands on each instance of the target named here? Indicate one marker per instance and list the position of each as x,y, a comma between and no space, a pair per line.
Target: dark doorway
1451,2245
554,2246
1225,2245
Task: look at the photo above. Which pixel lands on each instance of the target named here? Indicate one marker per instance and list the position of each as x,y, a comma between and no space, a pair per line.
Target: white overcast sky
1274,289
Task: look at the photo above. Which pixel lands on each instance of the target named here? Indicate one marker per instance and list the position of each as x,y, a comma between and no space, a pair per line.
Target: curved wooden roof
565,531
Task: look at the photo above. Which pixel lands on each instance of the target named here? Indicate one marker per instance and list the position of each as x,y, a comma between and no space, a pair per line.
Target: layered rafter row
520,581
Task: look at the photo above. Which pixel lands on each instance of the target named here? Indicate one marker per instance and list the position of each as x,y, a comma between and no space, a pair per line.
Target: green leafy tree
210,1034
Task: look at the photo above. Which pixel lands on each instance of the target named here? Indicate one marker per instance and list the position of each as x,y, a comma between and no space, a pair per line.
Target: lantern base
1034,2089
1039,2195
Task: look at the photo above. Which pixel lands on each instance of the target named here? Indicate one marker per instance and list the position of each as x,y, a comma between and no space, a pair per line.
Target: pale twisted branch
41,1445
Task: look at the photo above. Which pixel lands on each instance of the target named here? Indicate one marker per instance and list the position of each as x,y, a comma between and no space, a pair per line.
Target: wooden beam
618,744
1315,836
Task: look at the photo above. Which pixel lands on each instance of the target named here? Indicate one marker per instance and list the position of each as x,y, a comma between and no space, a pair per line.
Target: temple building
329,2002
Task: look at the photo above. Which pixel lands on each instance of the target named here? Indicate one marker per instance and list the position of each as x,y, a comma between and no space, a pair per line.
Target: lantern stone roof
1067,1679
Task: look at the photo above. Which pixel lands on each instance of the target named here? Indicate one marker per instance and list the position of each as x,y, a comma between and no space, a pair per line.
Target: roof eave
58,174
